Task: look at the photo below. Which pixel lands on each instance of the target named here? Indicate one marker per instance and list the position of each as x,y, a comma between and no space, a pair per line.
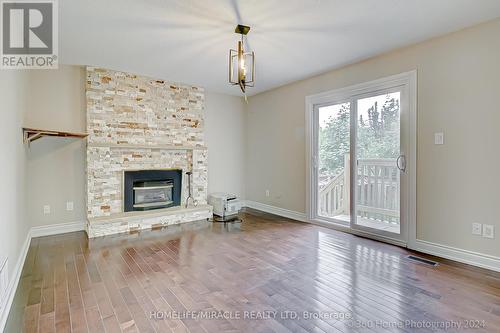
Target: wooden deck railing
377,188
334,196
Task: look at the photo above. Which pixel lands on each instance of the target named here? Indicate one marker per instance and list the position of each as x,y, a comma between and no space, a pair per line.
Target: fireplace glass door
152,194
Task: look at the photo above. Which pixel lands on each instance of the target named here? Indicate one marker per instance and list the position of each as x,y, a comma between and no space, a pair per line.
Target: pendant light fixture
241,63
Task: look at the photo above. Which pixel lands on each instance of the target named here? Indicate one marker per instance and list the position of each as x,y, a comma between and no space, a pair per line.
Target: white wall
13,224
225,138
458,93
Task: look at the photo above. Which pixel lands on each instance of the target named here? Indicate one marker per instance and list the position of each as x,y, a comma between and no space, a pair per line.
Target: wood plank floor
267,274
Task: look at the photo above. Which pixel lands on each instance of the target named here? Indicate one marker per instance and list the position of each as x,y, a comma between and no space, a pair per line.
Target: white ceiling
188,40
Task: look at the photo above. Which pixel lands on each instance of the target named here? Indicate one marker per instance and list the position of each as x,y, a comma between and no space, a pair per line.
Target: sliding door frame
348,94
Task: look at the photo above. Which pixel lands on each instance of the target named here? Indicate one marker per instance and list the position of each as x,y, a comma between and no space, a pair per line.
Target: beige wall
13,91
225,138
57,99
458,93
56,166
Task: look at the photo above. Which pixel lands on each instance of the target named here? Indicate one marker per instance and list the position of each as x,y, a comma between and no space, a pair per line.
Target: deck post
346,202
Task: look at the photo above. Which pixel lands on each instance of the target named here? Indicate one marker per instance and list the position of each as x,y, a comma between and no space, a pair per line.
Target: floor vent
422,260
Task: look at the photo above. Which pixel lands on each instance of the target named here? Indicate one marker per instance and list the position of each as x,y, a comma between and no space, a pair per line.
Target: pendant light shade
241,63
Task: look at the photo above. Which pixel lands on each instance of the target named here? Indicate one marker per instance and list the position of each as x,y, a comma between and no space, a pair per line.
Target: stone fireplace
144,135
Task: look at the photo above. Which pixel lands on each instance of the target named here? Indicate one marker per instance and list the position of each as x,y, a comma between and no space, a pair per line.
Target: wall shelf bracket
32,134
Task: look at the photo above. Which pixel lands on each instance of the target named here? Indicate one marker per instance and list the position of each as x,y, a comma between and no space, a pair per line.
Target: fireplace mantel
138,146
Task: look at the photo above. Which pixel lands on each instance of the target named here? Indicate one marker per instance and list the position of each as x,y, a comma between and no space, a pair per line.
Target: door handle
401,166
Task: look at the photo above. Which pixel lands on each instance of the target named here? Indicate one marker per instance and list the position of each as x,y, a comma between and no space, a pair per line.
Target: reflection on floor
379,225
374,224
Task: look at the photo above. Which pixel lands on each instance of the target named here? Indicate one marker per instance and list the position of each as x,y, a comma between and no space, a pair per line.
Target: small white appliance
224,204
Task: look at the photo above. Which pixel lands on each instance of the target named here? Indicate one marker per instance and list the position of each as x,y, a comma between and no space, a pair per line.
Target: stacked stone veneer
139,123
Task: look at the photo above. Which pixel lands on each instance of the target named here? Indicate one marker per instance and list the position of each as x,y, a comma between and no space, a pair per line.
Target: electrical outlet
268,193
439,138
46,209
69,206
477,229
488,231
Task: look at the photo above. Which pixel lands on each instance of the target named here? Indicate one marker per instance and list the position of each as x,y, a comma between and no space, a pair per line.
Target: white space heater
224,204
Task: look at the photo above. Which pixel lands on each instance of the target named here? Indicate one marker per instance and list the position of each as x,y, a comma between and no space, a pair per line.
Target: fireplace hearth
152,189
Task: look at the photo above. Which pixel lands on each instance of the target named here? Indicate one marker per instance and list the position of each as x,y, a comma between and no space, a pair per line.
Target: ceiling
188,40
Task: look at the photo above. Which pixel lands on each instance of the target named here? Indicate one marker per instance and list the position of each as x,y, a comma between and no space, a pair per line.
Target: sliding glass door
378,153
359,167
333,168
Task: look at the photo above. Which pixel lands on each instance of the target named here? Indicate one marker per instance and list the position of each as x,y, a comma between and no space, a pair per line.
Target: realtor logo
29,34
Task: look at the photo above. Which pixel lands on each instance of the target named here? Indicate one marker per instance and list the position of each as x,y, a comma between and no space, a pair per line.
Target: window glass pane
377,175
333,161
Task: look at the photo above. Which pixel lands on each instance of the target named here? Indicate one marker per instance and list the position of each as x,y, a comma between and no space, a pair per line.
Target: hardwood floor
267,274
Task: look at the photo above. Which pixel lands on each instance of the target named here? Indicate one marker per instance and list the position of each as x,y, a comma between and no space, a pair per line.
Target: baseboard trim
464,256
276,210
56,229
14,282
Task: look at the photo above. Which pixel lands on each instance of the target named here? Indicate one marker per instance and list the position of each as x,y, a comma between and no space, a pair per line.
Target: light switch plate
488,231
477,229
69,206
439,138
46,209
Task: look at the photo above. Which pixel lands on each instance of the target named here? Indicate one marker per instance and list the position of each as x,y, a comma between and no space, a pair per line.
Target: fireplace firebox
152,189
